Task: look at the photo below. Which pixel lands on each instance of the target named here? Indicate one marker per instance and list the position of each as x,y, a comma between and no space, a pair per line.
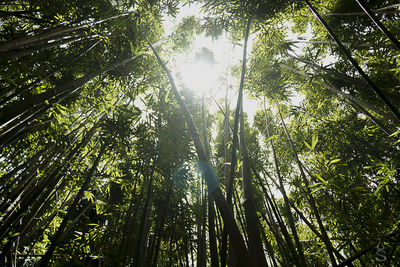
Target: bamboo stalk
379,24
371,84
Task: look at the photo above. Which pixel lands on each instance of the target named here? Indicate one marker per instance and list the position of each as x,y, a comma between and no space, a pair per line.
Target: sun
198,76
199,72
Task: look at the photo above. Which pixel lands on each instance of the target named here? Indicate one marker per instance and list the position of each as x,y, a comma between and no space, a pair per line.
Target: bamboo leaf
89,195
314,142
315,184
334,161
272,137
320,178
316,189
308,145
166,100
133,49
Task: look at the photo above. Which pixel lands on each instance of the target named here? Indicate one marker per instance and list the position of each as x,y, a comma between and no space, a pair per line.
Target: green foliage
77,76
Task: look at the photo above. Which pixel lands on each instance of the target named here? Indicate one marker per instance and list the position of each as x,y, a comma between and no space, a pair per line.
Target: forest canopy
278,148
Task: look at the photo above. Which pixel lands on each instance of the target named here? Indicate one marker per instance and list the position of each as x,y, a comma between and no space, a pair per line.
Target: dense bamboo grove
107,160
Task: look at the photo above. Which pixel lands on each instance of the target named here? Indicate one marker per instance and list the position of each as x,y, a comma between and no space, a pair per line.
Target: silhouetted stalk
212,235
129,226
211,211
201,220
269,247
310,197
143,217
382,27
282,248
345,95
371,84
281,187
252,223
239,213
271,202
215,191
253,231
312,227
46,258
30,39
227,175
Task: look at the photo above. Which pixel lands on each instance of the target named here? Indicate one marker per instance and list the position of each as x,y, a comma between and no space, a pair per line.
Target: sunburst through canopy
199,72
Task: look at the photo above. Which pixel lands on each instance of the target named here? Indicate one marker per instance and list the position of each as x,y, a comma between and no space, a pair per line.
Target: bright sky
210,79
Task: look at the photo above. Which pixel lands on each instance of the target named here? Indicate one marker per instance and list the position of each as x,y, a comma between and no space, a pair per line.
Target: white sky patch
212,80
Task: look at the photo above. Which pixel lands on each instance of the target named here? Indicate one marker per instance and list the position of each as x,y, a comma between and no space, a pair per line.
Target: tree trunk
46,258
281,187
201,225
140,234
289,243
311,200
228,179
371,84
209,175
161,222
211,212
381,27
255,245
17,108
46,35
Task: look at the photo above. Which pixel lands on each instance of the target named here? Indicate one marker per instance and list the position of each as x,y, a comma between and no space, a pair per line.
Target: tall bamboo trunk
273,211
211,234
201,225
202,204
160,224
281,187
56,239
46,35
128,228
255,245
141,229
229,165
211,212
348,55
311,200
209,175
240,214
17,108
380,25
